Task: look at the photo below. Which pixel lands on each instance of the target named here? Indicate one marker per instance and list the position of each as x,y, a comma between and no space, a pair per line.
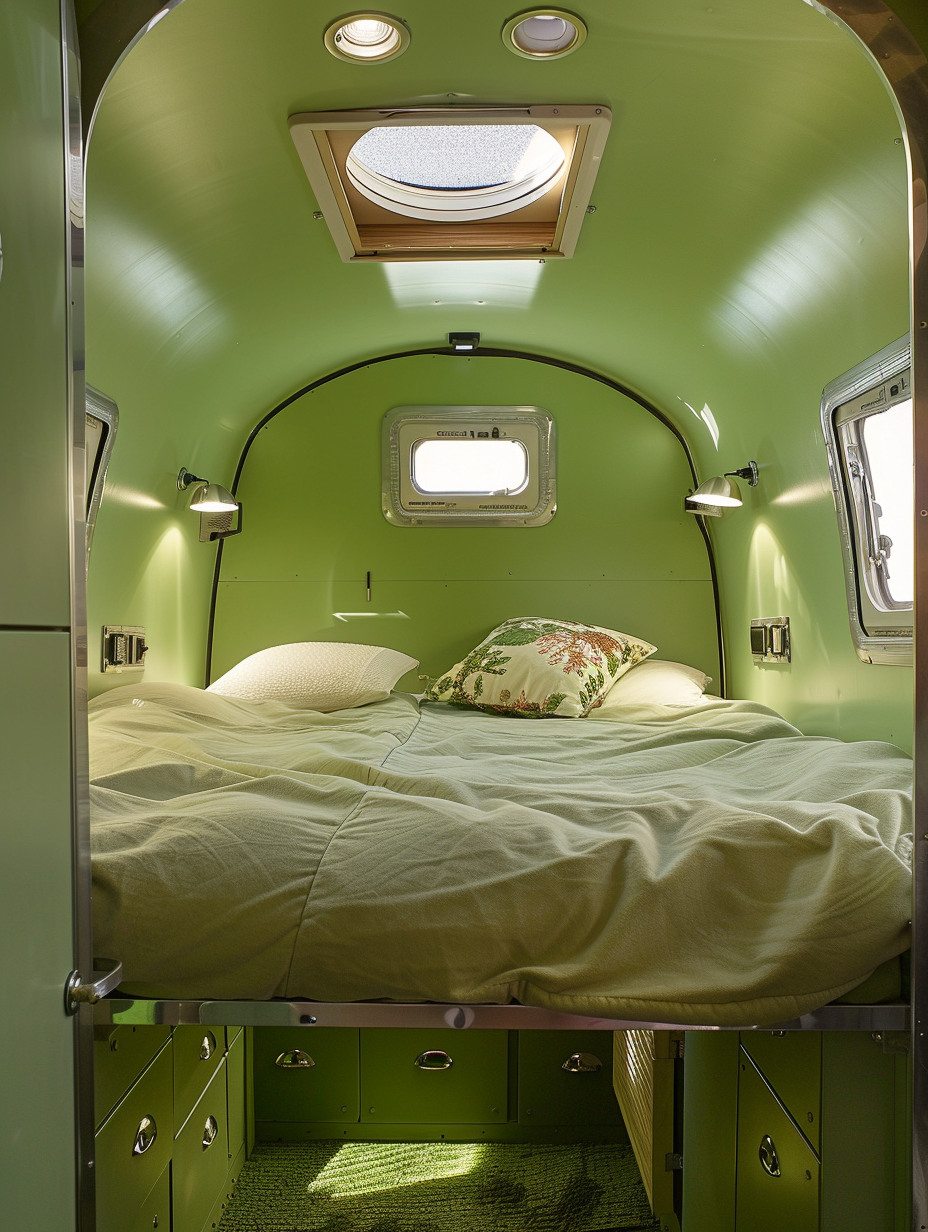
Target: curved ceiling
749,243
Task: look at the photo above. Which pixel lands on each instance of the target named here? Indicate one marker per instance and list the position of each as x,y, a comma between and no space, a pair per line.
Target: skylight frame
323,139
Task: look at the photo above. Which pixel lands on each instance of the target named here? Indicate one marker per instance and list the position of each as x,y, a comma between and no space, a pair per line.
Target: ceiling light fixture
463,342
367,38
721,491
544,34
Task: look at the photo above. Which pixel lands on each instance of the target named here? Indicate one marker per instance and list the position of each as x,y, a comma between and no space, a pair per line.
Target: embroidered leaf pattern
594,657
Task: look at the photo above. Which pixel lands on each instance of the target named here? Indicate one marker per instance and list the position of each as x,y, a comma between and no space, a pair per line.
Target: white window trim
404,505
878,370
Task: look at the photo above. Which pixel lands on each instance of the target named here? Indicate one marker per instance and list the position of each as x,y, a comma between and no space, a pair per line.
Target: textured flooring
437,1187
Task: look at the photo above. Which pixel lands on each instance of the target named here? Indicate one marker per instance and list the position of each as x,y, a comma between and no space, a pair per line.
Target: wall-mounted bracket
215,526
770,639
124,648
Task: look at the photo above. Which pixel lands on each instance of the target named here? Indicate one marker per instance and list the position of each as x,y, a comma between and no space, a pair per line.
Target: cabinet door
235,1095
119,1056
201,1158
133,1147
778,1174
198,1053
791,1061
565,1078
434,1077
306,1075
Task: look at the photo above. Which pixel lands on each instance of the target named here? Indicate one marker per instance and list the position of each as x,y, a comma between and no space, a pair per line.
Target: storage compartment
201,1158
425,1076
198,1053
778,1173
792,1064
133,1147
119,1056
565,1078
235,1095
303,1075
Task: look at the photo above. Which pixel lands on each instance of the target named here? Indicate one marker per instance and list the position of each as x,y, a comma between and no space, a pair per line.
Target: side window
100,421
468,465
867,422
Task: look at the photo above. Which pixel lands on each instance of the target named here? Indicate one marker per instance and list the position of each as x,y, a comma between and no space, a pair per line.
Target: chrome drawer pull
210,1132
433,1060
769,1159
582,1063
296,1058
207,1046
145,1135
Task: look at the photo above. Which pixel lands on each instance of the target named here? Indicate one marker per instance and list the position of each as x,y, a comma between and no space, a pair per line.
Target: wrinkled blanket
695,865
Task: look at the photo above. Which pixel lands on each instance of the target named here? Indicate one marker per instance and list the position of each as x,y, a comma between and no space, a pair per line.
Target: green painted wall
619,552
37,1128
749,244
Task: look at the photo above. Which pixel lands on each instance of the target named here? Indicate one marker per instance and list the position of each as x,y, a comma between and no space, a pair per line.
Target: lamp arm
749,472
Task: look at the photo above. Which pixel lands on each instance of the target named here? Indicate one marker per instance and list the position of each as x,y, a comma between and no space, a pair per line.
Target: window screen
468,465
867,421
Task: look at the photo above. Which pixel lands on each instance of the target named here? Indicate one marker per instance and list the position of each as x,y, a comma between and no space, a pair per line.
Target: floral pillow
540,668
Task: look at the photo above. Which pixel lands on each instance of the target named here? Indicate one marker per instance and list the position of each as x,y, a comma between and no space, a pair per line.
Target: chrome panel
118,1010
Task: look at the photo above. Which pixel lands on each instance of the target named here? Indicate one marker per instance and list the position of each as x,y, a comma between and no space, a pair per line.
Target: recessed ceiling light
544,34
367,38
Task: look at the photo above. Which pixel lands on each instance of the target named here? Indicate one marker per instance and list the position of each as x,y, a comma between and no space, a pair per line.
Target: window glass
498,468
887,438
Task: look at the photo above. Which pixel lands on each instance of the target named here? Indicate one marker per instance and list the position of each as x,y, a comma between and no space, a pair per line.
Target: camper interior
464,506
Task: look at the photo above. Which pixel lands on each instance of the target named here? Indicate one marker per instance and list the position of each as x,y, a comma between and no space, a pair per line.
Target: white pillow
316,675
655,682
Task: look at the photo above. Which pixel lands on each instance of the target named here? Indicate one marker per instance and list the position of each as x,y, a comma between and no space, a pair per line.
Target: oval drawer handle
435,1059
145,1135
582,1063
207,1046
296,1058
769,1159
210,1132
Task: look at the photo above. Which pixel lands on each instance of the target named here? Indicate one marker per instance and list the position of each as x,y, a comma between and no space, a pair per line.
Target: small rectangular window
468,465
867,421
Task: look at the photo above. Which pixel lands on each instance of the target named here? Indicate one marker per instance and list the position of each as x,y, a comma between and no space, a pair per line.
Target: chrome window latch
106,975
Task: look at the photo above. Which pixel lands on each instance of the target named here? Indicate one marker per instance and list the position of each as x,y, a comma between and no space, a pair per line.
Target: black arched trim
489,353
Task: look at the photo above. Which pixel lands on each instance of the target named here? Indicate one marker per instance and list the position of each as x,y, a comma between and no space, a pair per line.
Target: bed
705,864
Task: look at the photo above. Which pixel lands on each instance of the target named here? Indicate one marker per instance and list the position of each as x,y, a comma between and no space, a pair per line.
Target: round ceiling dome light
367,38
544,34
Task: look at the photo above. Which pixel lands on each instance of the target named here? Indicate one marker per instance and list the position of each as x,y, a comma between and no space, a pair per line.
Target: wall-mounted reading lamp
721,492
215,505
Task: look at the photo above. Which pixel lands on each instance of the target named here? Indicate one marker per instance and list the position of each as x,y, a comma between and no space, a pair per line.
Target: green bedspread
707,865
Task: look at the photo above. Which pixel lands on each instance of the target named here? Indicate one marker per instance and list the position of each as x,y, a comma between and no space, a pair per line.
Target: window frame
105,412
879,630
404,504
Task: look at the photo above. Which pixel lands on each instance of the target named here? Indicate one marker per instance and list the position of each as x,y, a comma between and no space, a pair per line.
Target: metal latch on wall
106,975
124,648
770,639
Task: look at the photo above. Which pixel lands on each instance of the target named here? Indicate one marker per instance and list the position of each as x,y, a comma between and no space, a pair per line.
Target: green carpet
437,1187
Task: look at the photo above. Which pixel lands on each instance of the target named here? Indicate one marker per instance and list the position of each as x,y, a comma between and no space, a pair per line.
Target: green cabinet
235,1095
201,1158
565,1078
198,1053
425,1076
119,1056
791,1061
778,1174
303,1075
133,1146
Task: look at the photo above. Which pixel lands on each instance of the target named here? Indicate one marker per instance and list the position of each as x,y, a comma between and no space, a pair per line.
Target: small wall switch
770,642
124,648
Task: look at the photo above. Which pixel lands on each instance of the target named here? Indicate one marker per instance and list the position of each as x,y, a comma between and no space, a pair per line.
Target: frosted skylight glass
486,467
457,156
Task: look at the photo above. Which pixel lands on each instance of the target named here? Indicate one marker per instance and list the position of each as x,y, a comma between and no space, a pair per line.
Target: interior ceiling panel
751,181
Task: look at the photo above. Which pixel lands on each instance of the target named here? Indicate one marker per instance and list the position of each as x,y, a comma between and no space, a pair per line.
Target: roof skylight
453,171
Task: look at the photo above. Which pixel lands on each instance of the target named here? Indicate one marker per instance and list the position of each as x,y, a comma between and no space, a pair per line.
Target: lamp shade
719,490
213,498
